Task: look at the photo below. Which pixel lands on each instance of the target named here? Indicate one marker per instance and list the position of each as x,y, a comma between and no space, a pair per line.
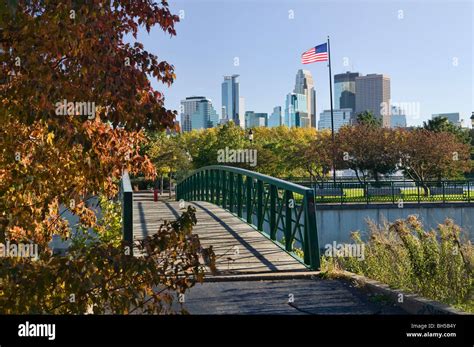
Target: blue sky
428,53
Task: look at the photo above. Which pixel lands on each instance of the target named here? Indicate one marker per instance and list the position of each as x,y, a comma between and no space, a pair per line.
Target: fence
394,192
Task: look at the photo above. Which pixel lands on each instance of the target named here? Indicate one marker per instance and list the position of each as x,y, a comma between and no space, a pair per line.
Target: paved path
239,248
310,296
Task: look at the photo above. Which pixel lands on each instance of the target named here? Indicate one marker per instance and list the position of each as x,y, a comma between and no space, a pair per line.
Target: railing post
393,192
342,193
311,233
367,192
443,183
188,189
239,195
249,183
273,200
468,192
176,192
127,210
418,190
184,192
211,184
288,218
203,186
194,187
216,187
231,191
224,189
260,205
198,186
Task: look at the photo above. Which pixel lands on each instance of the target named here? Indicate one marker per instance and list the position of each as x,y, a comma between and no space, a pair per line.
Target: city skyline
296,105
266,51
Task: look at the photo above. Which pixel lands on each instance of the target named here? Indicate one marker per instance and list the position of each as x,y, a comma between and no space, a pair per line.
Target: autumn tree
316,156
74,54
426,155
75,100
368,150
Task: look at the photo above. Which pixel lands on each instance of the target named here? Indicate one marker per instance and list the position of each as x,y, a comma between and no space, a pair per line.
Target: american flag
314,54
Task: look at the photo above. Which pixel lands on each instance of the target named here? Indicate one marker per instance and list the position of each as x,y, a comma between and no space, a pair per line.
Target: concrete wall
335,223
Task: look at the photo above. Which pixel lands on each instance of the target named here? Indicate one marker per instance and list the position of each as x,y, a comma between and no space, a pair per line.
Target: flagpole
332,117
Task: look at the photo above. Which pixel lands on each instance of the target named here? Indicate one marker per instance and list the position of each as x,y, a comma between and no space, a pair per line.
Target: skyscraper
341,118
232,101
305,85
197,112
344,90
398,118
253,119
372,93
296,113
276,118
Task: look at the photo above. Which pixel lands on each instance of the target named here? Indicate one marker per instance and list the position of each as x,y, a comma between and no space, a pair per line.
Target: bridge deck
239,248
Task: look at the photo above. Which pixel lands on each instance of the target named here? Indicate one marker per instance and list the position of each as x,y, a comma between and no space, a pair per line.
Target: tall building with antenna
305,85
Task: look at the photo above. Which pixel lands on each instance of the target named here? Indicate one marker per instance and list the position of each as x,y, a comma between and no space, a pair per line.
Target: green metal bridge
255,223
282,211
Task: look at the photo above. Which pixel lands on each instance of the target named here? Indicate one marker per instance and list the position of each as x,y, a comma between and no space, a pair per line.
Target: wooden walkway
239,248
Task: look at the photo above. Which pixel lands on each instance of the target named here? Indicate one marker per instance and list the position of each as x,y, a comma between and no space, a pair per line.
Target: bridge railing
126,199
394,192
283,211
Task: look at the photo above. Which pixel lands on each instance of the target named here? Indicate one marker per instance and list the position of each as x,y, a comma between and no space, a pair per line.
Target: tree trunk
357,175
425,188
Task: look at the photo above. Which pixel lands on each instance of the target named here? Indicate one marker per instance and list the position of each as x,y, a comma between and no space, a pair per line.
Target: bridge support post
126,195
311,234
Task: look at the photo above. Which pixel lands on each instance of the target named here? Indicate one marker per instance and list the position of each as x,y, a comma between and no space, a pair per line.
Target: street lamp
250,135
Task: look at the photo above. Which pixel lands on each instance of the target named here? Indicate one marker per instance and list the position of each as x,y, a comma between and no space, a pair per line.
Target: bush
99,277
436,264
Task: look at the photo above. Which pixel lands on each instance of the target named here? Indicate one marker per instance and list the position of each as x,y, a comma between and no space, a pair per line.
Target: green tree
442,124
367,118
169,156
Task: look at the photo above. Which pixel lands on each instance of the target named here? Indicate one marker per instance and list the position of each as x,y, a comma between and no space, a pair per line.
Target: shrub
99,277
437,264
